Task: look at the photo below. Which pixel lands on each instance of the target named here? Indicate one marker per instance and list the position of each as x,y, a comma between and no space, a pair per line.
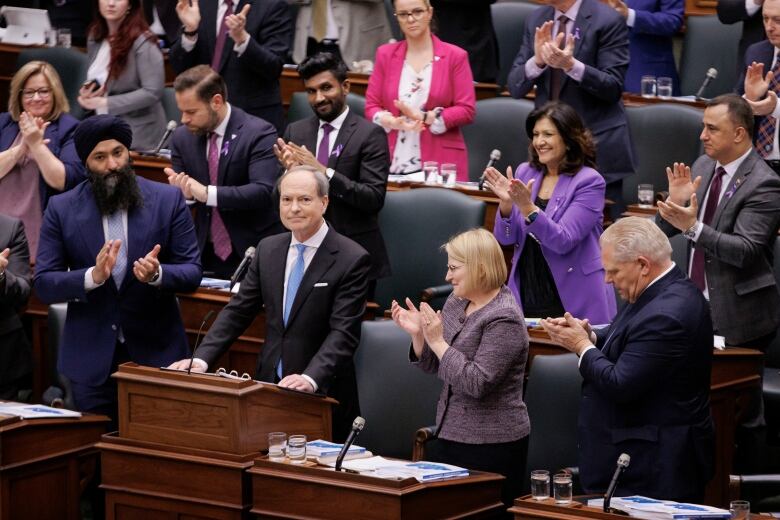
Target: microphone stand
197,338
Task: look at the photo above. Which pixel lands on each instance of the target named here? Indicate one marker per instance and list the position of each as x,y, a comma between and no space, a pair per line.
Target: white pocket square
321,284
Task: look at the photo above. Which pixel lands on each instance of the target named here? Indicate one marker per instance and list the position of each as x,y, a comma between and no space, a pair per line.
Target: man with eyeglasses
312,283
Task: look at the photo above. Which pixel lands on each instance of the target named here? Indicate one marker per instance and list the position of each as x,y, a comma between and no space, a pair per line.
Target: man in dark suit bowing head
351,151
312,282
646,378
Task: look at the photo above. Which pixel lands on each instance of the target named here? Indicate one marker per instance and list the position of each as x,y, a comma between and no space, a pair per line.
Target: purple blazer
568,232
452,87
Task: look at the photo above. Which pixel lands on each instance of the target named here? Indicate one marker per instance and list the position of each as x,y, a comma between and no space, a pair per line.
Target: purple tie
219,234
221,37
697,266
323,149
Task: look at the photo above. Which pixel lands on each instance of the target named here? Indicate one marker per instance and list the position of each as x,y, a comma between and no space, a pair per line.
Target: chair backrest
70,64
552,396
414,224
680,251
499,124
772,354
357,104
663,134
172,112
396,398
394,27
509,24
709,43
300,108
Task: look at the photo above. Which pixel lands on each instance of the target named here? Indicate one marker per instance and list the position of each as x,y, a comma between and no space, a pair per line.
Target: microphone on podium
495,156
357,427
240,271
197,338
168,131
622,463
712,73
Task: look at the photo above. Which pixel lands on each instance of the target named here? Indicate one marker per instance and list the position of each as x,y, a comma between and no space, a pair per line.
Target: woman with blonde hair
478,345
36,141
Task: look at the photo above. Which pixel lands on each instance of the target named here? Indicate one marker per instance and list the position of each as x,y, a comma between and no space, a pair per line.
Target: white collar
338,122
222,127
315,240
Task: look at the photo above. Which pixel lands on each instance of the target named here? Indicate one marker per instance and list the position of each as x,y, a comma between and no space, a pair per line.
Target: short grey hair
323,184
632,237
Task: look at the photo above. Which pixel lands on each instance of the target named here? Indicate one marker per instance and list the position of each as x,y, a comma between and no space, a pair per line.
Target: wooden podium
282,490
56,457
185,441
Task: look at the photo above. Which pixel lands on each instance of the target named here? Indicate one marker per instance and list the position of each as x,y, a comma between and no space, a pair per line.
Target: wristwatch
532,216
187,33
155,277
690,233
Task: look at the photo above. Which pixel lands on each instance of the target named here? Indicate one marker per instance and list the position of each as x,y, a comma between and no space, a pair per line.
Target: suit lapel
739,177
138,222
345,132
581,26
320,264
437,79
90,224
275,263
310,138
229,143
394,74
559,193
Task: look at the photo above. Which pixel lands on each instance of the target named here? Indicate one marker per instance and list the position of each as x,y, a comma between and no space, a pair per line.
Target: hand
542,36
89,90
198,365
756,85
180,180
94,99
619,6
680,185
415,114
556,57
499,184
105,261
32,130
296,382
677,215
401,123
409,319
4,254
302,155
568,332
145,268
284,154
521,196
432,328
236,25
189,14
764,107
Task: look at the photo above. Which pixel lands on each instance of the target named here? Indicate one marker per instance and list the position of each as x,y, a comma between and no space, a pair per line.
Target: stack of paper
399,469
34,411
652,509
326,452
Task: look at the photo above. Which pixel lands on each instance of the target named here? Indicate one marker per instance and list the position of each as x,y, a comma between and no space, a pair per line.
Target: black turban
99,128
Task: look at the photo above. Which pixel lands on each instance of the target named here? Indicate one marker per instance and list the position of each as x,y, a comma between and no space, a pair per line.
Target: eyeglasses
29,93
453,268
414,14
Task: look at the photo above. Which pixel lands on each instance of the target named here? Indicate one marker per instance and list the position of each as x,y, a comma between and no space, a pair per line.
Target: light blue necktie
293,282
116,231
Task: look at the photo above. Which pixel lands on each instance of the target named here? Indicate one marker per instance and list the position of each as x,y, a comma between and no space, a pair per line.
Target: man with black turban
116,248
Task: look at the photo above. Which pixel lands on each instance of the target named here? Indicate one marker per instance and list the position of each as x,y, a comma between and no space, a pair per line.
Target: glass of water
431,169
449,174
63,38
562,488
648,86
296,449
664,87
51,37
277,442
645,194
540,484
740,509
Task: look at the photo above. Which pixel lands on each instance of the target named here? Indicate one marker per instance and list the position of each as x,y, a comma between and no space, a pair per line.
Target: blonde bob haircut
480,252
28,70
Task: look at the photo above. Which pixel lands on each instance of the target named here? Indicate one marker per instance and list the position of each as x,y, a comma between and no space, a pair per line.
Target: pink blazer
452,87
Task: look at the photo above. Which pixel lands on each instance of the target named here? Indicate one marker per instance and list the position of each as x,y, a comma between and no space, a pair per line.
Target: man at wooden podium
312,282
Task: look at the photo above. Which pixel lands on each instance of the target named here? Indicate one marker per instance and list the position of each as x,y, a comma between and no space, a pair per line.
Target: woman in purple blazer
551,211
421,92
478,346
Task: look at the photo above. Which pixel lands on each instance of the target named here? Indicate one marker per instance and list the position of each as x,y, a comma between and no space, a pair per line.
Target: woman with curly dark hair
126,73
551,211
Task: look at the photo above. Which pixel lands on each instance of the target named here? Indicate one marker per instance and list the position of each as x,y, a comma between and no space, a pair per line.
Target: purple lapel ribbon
737,183
337,151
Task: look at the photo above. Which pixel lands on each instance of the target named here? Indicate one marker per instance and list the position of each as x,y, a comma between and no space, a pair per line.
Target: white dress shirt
336,124
211,191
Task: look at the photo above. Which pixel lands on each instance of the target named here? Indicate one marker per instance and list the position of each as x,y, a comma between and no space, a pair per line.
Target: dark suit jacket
760,52
15,354
252,78
469,25
361,161
738,250
733,11
650,41
247,173
323,329
71,236
602,47
60,136
646,393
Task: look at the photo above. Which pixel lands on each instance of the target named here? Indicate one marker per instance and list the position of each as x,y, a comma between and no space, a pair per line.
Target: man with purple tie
223,161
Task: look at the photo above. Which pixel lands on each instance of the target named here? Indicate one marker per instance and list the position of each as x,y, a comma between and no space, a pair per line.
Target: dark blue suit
602,46
646,393
761,52
60,136
248,170
650,41
71,236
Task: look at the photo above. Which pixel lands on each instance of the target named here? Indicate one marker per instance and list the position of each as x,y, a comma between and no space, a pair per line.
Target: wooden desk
289,491
45,465
637,210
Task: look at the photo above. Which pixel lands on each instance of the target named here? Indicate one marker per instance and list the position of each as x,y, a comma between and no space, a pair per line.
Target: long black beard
116,190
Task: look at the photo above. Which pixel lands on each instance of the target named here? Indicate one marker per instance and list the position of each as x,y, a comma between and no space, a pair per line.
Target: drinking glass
51,37
296,449
648,86
664,87
449,174
431,169
645,194
63,38
740,510
540,484
277,442
562,488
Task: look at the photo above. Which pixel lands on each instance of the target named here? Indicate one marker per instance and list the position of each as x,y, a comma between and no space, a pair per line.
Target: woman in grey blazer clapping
478,346
126,72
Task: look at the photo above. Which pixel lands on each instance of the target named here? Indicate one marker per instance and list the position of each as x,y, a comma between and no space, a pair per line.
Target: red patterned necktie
765,137
697,266
219,234
556,75
221,37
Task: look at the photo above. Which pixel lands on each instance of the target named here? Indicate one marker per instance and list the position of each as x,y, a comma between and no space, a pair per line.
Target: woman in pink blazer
421,92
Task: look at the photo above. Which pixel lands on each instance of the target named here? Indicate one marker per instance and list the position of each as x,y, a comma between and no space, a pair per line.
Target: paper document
652,509
423,471
35,411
